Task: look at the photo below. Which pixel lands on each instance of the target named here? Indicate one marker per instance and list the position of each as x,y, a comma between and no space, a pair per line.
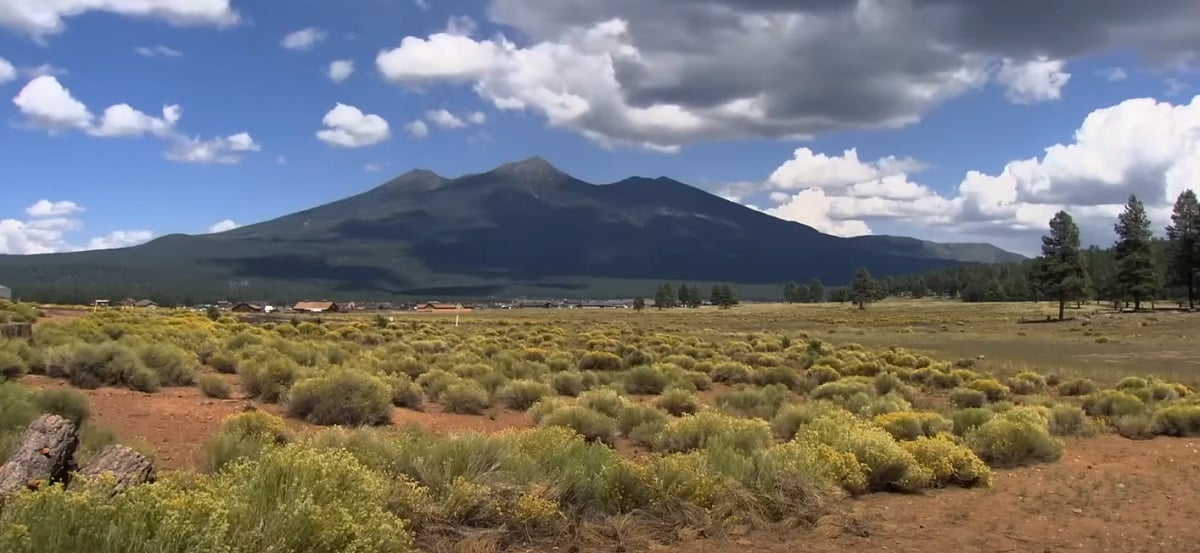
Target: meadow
537,429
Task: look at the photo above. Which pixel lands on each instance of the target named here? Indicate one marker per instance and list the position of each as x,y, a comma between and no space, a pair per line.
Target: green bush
991,388
949,463
223,362
436,381
405,392
751,402
778,375
91,366
1137,426
642,423
268,379
1070,420
346,397
544,407
1026,383
215,386
1015,438
244,436
466,397
18,408
12,366
646,379
967,419
599,361
706,428
906,426
68,404
967,398
884,464
731,372
522,394
791,418
591,424
1112,404
1176,420
607,402
678,402
173,365
568,384
1077,387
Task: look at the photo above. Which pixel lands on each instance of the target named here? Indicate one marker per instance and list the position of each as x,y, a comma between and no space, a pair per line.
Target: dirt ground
1106,494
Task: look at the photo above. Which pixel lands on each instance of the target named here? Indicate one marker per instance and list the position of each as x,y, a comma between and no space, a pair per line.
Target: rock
127,466
44,455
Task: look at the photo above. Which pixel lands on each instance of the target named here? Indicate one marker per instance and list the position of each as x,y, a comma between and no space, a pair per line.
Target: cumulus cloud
348,127
340,70
48,105
1143,147
667,74
7,71
417,129
461,25
444,119
159,51
47,226
1033,81
477,118
303,39
39,18
223,226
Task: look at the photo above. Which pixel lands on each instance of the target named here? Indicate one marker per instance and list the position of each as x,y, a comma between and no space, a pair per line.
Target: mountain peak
417,178
533,168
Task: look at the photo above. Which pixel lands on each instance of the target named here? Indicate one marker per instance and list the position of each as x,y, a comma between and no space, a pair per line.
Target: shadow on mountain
285,267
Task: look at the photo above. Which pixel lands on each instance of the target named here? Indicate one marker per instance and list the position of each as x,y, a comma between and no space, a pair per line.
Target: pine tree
864,288
724,296
639,303
1137,273
816,291
683,295
1061,270
789,292
1183,238
664,297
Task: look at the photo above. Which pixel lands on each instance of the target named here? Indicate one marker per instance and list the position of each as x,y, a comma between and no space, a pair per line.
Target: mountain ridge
523,226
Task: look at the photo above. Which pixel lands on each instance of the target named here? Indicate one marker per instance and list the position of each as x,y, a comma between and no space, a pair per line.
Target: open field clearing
908,426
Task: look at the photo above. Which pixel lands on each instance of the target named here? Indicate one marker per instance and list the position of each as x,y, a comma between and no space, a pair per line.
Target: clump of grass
751,402
991,388
646,379
347,397
589,423
599,361
678,402
1077,387
1176,420
522,394
466,397
12,366
970,418
1137,426
242,436
967,398
706,428
905,426
568,384
214,386
1070,420
607,402
1112,404
642,423
791,418
436,381
1017,437
405,392
1027,383
731,372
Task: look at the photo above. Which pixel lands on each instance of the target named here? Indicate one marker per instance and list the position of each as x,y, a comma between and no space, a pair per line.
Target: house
101,303
5,292
145,303
128,302
439,307
248,308
317,307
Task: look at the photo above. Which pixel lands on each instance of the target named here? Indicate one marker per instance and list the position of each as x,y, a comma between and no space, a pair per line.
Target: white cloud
417,129
444,119
120,239
348,127
340,70
223,226
809,169
303,39
222,150
423,4
47,104
1038,80
442,57
372,168
477,118
7,71
158,51
47,208
1141,146
45,17
1113,74
461,25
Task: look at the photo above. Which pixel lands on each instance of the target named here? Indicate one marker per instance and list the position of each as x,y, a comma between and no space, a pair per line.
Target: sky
948,120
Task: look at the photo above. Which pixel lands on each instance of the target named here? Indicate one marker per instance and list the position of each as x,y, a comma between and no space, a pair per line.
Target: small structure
317,307
5,292
439,307
128,302
101,303
145,303
247,308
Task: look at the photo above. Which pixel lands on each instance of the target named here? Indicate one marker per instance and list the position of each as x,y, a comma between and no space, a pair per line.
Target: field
909,426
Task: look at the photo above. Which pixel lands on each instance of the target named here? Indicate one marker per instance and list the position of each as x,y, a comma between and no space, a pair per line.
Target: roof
145,303
314,306
439,305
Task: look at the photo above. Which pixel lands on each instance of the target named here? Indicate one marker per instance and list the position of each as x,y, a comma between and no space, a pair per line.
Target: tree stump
127,466
44,455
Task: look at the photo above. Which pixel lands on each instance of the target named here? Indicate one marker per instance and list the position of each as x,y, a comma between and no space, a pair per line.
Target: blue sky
604,90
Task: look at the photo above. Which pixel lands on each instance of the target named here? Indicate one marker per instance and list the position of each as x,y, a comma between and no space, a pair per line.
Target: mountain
523,228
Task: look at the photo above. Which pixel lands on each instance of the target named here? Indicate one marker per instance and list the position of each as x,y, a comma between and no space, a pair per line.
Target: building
439,307
248,308
5,292
317,307
145,303
101,303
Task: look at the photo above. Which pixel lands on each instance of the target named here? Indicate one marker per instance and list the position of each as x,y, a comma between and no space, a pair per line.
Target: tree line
1138,268
668,297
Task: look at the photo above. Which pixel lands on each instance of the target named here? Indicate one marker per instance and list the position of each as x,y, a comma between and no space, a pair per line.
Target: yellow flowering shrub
949,463
910,425
887,465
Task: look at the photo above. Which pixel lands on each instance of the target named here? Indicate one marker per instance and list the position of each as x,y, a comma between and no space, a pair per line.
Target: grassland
573,428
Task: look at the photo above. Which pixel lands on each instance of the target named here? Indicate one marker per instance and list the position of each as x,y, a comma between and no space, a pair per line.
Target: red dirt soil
1106,494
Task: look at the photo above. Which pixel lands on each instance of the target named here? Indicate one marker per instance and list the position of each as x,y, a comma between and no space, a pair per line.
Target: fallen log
126,466
44,455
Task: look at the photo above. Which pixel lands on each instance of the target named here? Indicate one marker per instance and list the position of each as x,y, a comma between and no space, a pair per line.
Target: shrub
12,366
466,397
884,465
173,365
436,381
544,407
759,403
991,388
1077,387
731,372
1026,383
1015,438
646,379
268,379
347,397
1132,383
791,418
1176,420
522,394
66,403
949,463
886,383
107,364
967,398
1070,420
706,428
17,409
223,362
591,424
599,361
678,402
1112,403
821,374
215,386
967,419
904,426
1138,426
607,402
568,384
405,392
842,389
242,436
642,423
783,376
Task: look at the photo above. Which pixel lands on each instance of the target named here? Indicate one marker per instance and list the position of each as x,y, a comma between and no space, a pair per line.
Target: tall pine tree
1183,245
816,291
1061,271
664,297
864,289
1137,273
